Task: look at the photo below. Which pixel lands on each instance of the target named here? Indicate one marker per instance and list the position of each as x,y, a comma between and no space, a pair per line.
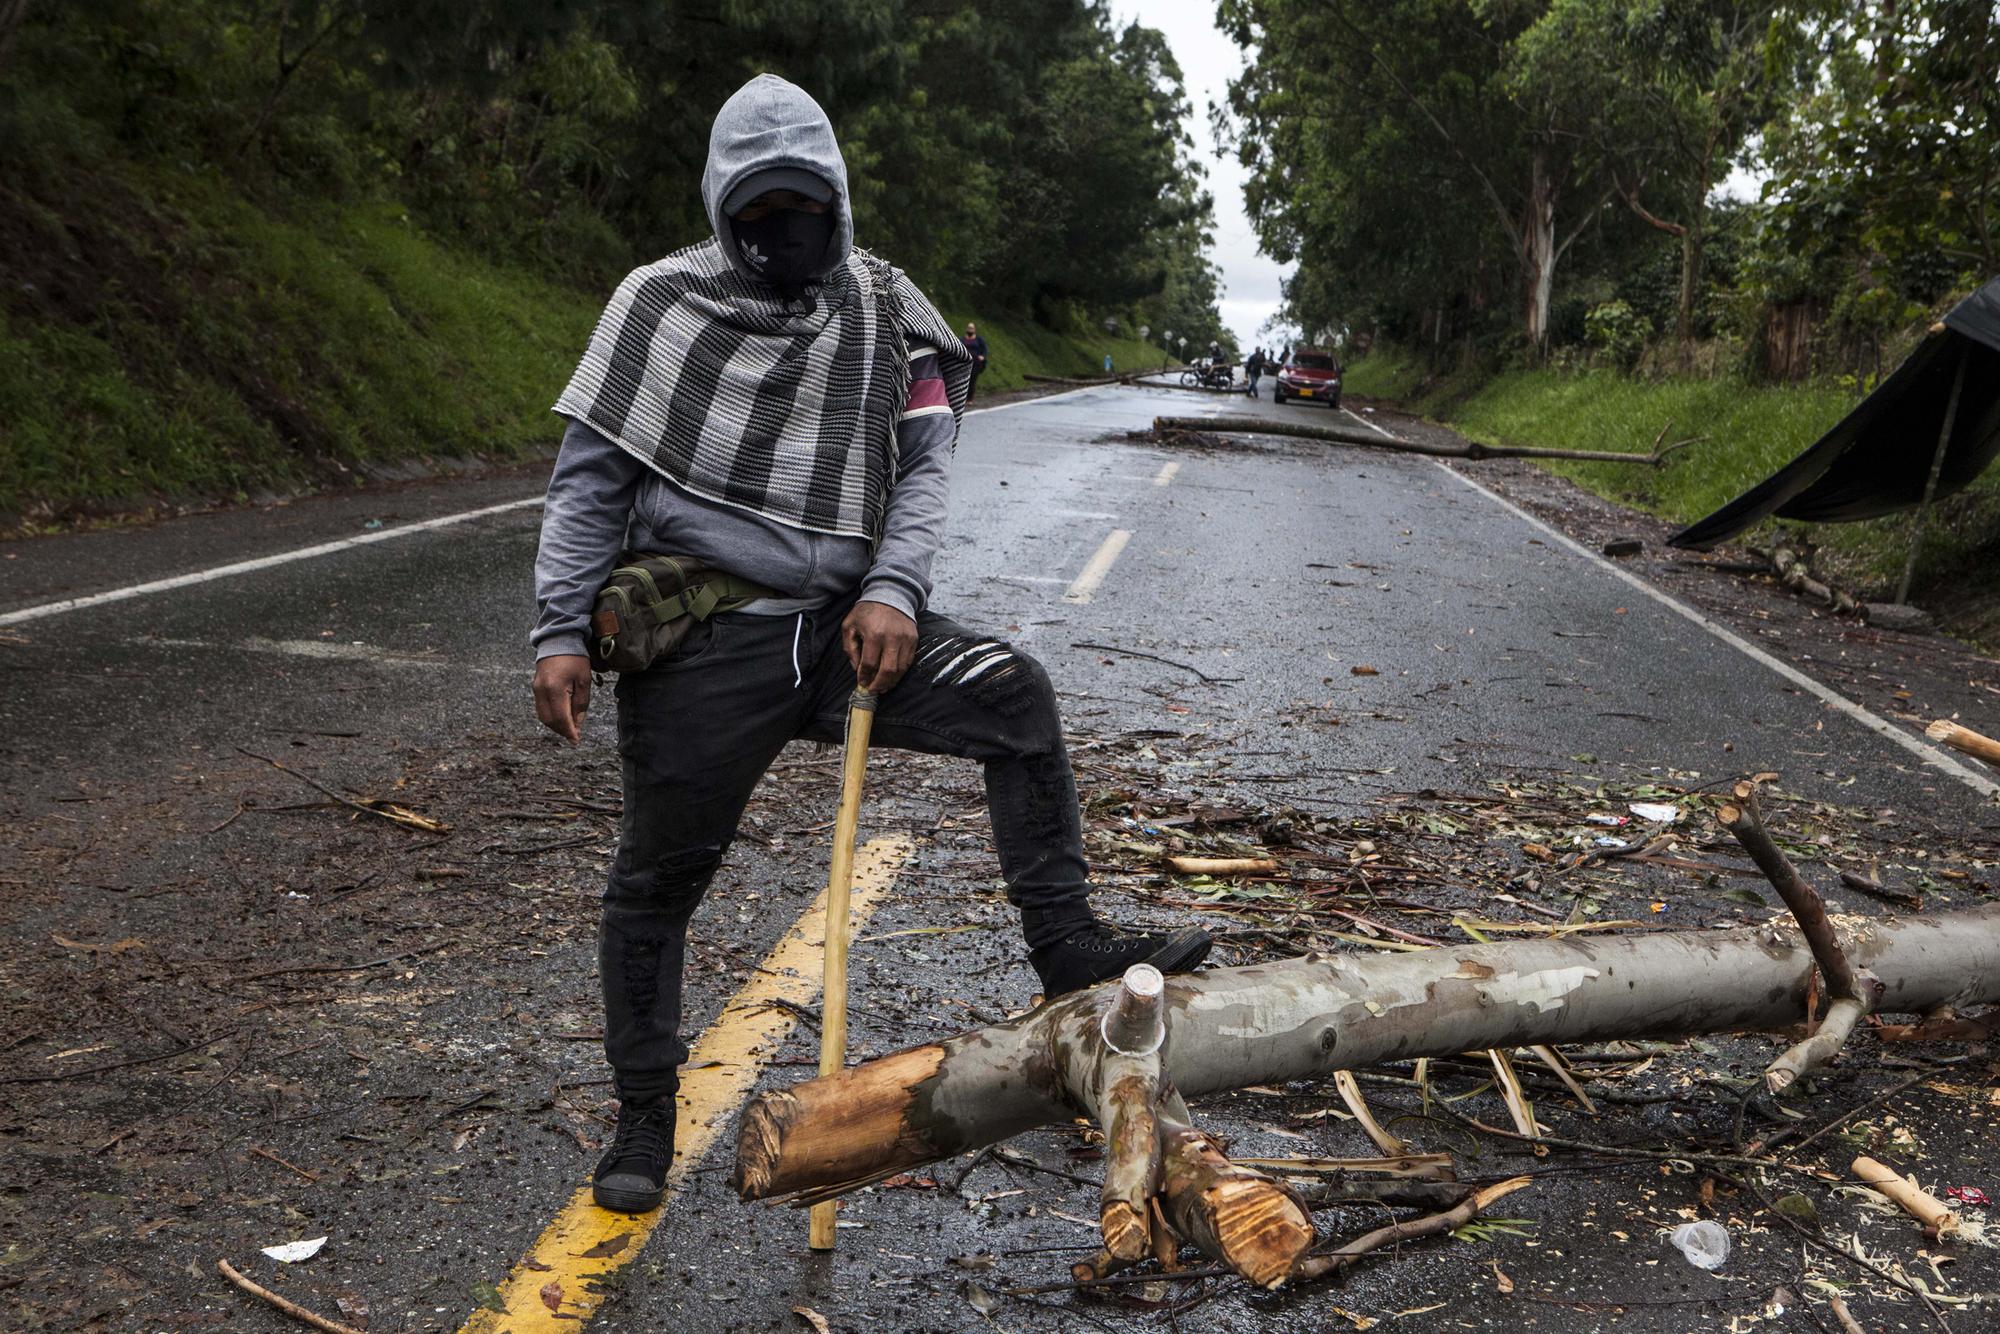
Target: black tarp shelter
1878,459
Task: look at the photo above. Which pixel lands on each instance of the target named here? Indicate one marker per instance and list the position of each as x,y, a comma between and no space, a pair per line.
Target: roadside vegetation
1568,222
1750,430
266,247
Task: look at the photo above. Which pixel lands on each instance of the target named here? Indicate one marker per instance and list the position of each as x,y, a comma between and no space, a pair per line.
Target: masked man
778,405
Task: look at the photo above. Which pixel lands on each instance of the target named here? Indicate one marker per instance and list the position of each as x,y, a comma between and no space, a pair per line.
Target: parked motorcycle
1206,374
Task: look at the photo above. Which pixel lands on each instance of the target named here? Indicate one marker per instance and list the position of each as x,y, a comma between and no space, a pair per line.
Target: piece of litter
1606,841
1658,812
1968,1195
1599,817
372,525
292,1252
1705,1244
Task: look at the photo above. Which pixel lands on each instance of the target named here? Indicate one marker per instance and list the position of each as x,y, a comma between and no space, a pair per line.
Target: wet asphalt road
1274,570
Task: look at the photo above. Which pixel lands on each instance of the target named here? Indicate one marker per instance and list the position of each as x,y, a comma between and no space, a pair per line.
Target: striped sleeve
900,575
927,392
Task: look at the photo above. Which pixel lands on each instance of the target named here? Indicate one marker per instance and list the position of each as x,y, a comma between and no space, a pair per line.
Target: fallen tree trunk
1302,1019
1142,378
1466,450
1084,381
1196,388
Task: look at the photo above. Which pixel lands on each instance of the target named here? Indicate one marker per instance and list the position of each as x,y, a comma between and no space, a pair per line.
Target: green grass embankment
226,350
1751,431
199,348
1018,347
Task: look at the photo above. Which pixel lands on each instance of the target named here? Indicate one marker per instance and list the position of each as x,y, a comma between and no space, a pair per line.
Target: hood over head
770,135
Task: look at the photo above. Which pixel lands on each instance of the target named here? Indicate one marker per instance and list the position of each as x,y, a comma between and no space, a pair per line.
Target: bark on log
1306,1018
1133,1029
1466,450
1965,740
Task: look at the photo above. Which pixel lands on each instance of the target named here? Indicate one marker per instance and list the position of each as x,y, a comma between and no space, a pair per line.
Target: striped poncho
783,407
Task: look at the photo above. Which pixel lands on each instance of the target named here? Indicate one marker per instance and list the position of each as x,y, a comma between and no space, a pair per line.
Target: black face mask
787,246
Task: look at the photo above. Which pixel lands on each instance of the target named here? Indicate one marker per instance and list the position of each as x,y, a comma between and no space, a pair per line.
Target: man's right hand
562,694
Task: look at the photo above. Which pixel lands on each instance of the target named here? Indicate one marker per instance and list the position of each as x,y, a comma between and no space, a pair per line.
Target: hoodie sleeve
914,528
583,530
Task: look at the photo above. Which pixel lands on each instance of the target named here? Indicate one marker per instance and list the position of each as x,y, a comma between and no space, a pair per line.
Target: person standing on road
1253,367
778,405
977,347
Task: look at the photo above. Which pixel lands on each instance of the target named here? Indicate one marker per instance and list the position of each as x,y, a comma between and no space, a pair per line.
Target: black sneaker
1097,952
631,1177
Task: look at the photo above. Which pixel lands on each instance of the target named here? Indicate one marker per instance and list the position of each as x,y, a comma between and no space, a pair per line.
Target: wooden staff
839,882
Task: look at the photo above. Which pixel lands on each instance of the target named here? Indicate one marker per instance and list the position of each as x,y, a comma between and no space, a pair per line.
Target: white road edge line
260,563
36,613
1039,398
1369,424
1839,702
1166,473
1100,565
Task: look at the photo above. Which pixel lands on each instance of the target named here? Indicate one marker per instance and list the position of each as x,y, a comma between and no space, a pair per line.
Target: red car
1312,373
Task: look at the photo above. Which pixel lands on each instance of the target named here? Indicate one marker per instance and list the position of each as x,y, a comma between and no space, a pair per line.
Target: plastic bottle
1705,1244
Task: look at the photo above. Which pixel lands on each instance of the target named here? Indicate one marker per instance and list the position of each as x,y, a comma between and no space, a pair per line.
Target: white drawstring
798,628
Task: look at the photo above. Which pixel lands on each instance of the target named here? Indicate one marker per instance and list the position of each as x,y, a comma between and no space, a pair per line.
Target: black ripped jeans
697,731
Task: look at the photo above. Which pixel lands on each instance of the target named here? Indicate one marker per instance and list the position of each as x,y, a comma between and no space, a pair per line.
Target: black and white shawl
788,409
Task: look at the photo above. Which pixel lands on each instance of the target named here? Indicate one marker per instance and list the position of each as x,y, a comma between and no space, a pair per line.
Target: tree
1511,146
1670,91
1885,172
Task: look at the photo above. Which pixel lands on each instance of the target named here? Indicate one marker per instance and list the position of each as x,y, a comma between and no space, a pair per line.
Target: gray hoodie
601,500
771,124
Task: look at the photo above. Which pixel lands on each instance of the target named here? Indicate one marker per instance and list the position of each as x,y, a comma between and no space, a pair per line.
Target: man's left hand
880,642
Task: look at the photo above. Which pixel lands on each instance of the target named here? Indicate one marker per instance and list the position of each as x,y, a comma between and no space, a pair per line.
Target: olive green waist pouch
649,604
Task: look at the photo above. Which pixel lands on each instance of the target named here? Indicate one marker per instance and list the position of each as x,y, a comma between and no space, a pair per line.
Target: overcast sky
1208,61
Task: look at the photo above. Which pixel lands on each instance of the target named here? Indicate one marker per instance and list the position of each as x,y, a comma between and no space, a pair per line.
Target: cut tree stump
1307,1018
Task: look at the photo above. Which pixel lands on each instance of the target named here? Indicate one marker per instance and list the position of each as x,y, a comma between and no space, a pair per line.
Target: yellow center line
1097,567
559,1283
